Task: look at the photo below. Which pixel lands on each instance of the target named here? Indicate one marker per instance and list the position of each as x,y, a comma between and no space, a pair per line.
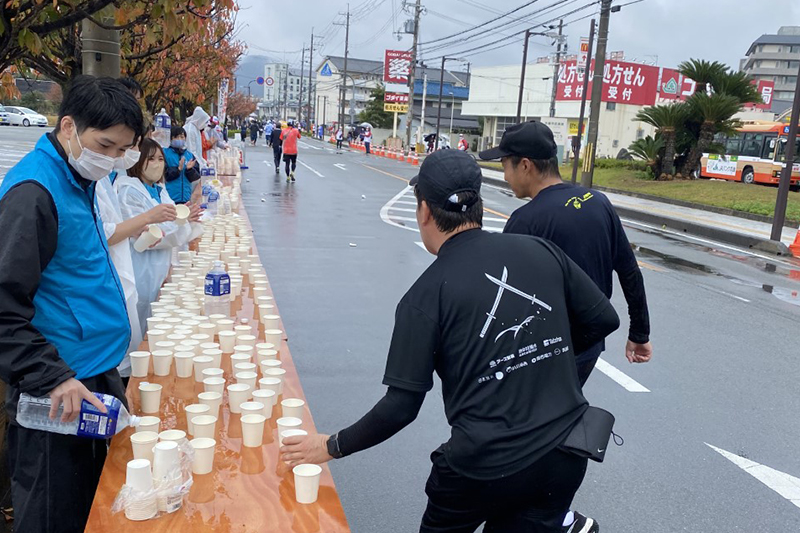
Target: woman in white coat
117,231
138,193
194,139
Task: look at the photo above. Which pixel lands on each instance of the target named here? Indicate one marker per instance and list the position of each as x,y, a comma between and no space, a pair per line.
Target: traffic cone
415,161
795,246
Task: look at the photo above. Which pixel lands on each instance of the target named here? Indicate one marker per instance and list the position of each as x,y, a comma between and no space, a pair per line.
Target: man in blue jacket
181,167
64,327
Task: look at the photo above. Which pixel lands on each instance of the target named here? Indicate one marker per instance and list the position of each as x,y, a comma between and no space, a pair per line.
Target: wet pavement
341,248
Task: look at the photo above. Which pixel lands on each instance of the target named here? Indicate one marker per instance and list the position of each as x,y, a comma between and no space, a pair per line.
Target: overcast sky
671,30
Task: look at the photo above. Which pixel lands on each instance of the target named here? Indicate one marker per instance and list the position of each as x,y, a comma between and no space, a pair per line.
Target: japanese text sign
397,66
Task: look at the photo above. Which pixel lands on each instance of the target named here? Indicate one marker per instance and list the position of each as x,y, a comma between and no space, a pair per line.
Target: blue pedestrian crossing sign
326,70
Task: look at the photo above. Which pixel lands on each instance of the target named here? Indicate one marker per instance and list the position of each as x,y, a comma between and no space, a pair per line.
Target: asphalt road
724,373
341,248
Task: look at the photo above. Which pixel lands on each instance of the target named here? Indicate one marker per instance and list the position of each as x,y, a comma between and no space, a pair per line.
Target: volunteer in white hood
194,139
138,194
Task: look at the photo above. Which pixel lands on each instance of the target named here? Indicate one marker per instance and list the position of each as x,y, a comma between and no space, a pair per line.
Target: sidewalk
723,228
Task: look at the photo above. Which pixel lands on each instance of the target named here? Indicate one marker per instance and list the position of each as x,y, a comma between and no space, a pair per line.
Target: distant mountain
250,68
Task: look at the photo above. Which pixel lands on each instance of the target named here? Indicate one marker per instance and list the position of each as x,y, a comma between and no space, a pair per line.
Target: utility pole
555,70
786,173
300,97
522,76
410,115
100,54
597,94
439,112
576,141
424,95
343,89
310,62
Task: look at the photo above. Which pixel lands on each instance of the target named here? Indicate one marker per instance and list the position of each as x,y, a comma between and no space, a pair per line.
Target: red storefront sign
623,82
765,89
397,66
673,85
395,98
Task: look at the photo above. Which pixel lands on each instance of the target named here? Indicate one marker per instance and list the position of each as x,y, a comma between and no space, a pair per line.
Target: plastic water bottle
163,128
34,413
213,202
218,291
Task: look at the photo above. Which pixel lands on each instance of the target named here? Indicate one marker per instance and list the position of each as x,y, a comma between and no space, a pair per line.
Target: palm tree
667,119
703,72
648,149
737,84
715,113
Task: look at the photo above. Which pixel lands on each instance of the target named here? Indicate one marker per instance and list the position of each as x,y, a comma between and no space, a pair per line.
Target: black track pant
276,152
290,159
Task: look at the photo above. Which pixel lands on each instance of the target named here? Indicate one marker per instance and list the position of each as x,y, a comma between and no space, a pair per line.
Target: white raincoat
151,266
111,215
194,141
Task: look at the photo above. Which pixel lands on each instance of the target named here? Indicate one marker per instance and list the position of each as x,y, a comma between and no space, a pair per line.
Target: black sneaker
582,524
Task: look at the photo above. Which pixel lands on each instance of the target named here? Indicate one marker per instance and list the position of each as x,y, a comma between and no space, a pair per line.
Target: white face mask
130,158
90,165
154,172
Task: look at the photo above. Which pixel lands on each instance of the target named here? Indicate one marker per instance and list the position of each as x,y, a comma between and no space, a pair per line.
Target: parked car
3,116
22,116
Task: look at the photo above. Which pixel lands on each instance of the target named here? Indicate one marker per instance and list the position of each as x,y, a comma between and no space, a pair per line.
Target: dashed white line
782,483
627,382
340,166
385,211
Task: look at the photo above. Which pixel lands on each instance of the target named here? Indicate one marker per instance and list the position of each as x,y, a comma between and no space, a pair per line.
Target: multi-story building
282,91
776,58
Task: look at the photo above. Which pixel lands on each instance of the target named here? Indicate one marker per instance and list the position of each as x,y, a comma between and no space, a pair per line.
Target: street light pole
439,113
452,109
786,173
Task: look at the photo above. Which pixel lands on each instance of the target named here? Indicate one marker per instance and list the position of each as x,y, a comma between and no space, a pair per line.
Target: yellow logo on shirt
577,201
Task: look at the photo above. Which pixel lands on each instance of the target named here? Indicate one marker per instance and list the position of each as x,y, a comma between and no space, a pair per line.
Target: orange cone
415,161
795,246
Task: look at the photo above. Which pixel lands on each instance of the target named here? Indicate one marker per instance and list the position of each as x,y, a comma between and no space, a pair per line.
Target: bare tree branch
90,7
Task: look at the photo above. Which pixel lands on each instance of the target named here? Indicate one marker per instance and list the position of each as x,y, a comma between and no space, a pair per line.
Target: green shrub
630,164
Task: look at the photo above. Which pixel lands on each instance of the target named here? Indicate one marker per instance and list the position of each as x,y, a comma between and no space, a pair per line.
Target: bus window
752,144
770,145
732,145
782,150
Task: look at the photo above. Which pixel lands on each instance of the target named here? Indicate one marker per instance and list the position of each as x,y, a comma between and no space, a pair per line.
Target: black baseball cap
533,140
446,173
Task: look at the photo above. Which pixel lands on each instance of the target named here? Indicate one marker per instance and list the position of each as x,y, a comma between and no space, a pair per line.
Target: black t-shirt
492,316
584,224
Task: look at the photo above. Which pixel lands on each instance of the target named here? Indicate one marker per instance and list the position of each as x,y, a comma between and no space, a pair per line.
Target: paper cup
274,336
201,338
266,364
212,399
292,433
244,367
204,449
264,355
166,345
183,214
142,443
214,385
242,330
248,378
154,336
254,408
140,364
259,291
285,423
247,340
225,324
293,407
241,358
149,423
306,483
184,364
148,238
177,338
268,397
271,383
205,426
264,310
193,411
153,320
213,373
271,322
238,393
139,475
279,373
162,362
172,435
150,397
208,328
201,362
166,460
216,355
244,349
253,430
261,346
209,346
227,340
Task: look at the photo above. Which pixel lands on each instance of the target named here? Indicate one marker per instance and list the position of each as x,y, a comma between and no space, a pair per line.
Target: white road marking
627,382
311,169
492,229
268,163
404,219
422,245
301,143
385,211
339,166
404,209
784,484
745,300
406,202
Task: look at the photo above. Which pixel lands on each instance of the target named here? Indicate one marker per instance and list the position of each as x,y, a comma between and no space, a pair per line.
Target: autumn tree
240,106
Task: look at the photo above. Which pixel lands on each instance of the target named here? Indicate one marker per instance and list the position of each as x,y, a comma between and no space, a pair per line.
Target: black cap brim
414,180
493,153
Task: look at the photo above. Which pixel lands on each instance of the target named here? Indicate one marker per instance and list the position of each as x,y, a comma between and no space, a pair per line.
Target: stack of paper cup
142,443
150,397
287,423
203,461
140,364
253,430
306,483
142,505
167,475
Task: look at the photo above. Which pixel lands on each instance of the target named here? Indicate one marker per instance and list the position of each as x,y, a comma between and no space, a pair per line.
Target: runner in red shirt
289,136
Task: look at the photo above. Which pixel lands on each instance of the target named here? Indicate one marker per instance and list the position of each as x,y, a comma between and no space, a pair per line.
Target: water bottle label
212,171
98,425
213,196
217,285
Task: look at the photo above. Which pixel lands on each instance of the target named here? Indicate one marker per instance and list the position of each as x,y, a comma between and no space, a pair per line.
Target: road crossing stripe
627,382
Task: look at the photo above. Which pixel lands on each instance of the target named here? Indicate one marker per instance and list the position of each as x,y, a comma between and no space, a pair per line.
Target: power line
479,26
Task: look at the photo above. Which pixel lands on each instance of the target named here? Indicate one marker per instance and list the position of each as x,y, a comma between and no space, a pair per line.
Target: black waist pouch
590,435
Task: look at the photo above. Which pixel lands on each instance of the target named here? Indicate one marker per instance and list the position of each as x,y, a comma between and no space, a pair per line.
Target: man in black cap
580,221
502,340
